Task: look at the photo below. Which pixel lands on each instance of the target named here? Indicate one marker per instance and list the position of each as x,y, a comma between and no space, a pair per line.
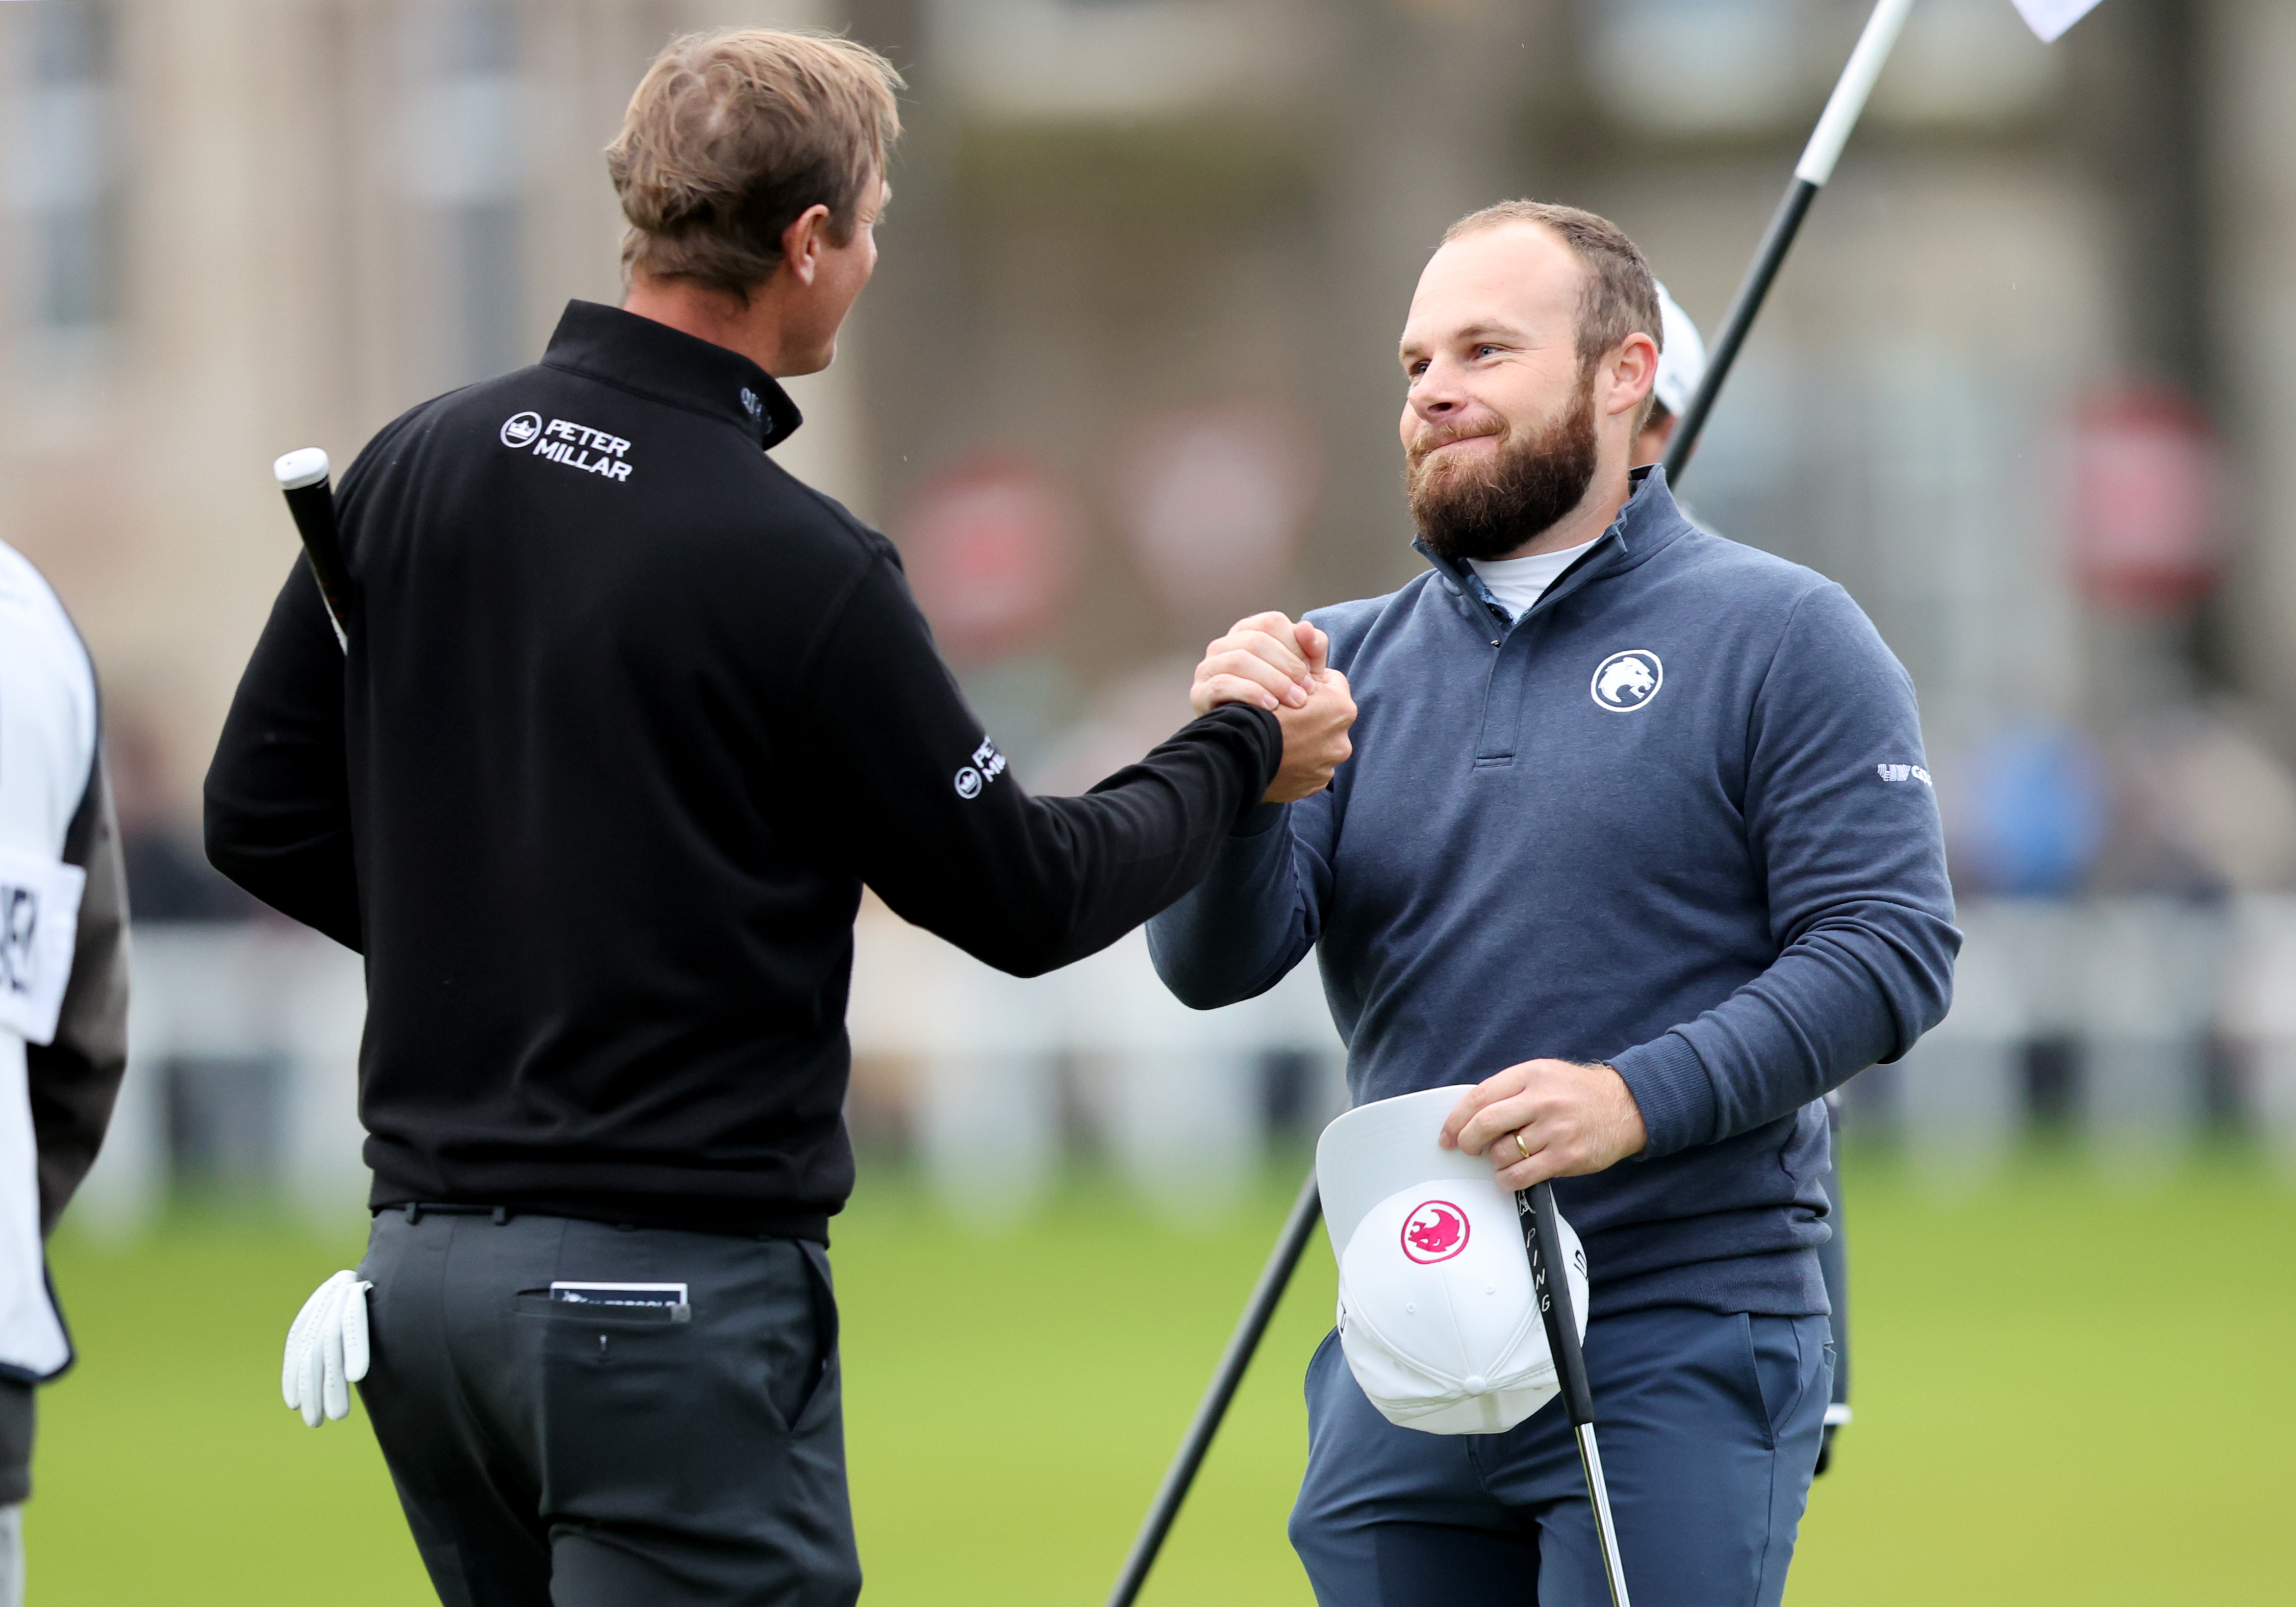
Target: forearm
1238,932
1074,875
932,818
1852,991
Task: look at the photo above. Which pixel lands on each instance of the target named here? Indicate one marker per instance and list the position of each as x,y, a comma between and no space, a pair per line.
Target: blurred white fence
262,994
1175,1093
2149,994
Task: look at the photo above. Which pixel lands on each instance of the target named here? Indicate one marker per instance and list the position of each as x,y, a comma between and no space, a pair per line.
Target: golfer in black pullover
627,717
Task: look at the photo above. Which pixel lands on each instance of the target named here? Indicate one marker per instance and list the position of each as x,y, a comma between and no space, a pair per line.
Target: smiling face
1491,346
1503,430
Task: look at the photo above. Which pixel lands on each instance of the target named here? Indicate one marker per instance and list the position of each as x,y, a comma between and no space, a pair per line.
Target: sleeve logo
1904,772
987,766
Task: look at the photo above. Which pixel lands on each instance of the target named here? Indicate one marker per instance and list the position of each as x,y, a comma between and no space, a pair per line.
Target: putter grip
1551,1284
311,501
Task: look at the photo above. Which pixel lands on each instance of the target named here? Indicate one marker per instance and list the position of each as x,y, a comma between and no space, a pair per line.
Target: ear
804,241
1631,369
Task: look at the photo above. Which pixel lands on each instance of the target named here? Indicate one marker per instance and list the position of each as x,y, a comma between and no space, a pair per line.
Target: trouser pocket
810,1362
1775,1373
699,1404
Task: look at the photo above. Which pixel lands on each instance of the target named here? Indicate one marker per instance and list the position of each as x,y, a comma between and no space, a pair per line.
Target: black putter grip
1551,1284
304,482
314,508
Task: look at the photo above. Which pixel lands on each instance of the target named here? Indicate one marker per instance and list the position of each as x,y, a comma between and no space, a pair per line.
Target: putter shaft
1542,1240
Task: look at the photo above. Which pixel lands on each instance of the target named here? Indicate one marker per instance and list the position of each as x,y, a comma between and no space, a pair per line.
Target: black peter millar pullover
629,715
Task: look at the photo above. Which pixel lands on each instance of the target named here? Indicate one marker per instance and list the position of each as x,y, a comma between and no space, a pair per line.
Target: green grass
2066,1394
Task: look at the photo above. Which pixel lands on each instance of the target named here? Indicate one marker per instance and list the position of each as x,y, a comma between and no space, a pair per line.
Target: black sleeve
278,791
74,1078
935,823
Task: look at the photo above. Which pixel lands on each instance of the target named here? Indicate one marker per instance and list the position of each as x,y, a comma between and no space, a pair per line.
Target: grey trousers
18,1417
587,1456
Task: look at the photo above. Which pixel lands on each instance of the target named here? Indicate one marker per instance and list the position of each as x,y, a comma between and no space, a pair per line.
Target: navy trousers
1709,1426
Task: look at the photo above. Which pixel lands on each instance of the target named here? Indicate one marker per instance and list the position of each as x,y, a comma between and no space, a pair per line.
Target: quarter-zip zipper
1502,725
1495,748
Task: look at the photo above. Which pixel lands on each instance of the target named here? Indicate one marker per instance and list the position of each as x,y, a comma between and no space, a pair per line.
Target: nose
1436,393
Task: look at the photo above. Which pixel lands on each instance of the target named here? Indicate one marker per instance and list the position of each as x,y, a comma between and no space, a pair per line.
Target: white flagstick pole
1840,115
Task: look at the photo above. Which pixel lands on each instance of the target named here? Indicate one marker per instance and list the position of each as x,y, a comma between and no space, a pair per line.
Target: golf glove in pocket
326,1349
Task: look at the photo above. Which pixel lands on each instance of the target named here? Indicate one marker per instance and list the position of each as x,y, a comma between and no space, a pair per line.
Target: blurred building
1143,270
233,228
1127,371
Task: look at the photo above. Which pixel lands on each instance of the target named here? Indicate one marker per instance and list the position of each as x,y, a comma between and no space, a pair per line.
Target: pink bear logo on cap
1434,1231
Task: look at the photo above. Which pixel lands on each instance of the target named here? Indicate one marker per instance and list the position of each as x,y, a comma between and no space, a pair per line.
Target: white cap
1681,361
1437,1315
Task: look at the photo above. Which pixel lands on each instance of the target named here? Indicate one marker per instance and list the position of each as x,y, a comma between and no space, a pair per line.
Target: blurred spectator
168,877
2025,811
2202,809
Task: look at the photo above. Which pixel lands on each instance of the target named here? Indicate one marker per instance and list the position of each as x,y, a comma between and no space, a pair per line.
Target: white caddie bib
39,920
48,733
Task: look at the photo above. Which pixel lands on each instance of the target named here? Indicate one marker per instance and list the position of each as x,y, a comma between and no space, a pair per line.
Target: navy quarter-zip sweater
1675,818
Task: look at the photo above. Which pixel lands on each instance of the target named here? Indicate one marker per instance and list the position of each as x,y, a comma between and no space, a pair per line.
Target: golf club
1266,1296
1542,1240
1842,110
302,477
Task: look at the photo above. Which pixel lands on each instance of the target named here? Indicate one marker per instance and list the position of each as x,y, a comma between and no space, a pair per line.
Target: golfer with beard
1637,839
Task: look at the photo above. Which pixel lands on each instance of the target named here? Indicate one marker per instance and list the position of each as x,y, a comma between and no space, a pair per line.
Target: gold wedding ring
1521,1146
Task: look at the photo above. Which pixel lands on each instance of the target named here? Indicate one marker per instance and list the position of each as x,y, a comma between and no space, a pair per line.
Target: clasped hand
1274,664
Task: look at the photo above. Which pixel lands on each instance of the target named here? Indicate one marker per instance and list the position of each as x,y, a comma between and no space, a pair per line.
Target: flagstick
1842,110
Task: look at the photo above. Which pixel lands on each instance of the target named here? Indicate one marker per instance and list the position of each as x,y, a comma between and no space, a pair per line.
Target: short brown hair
733,135
1620,297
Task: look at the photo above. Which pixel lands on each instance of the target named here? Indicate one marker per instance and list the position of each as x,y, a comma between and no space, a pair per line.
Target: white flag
2051,18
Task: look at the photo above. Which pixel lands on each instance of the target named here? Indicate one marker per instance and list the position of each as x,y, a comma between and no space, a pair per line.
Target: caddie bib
47,751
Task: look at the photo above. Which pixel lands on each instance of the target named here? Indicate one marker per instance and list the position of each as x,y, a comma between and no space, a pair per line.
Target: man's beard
1465,511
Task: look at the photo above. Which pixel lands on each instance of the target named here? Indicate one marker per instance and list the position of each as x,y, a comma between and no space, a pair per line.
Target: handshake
1273,664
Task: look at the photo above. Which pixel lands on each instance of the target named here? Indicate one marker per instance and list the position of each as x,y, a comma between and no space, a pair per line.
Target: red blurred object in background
2147,501
1215,501
990,546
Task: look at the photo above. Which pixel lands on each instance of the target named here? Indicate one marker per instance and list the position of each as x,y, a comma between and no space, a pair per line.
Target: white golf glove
326,1349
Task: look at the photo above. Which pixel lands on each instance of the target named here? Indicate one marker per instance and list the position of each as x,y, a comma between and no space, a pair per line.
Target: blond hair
1619,295
732,135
